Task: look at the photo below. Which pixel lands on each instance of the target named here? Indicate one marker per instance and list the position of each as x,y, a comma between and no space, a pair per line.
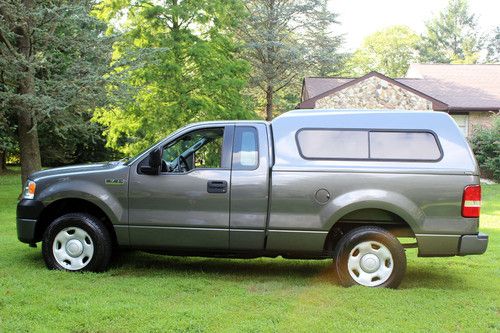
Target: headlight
29,190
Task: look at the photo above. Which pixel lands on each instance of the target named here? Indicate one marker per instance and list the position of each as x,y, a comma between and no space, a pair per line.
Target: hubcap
73,248
370,263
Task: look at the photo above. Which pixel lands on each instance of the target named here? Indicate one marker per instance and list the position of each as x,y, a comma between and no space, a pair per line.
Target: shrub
485,142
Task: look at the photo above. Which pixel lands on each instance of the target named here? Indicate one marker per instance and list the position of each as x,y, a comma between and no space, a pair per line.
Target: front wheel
77,242
369,256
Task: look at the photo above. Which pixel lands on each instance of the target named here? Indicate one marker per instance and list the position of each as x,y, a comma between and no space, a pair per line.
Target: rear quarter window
246,148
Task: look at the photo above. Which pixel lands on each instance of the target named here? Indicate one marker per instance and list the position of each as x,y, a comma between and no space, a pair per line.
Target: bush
485,142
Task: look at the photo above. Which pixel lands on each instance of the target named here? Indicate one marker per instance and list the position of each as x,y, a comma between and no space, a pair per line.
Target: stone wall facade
374,93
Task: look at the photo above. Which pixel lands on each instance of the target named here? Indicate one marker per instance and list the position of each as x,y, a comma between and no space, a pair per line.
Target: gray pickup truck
311,184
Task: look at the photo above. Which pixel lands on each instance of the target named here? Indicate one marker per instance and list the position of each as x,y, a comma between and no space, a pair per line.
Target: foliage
82,142
451,36
8,143
485,142
178,62
54,55
389,51
493,47
286,40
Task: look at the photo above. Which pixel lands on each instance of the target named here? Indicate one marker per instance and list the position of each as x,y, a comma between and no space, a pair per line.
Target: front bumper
28,212
432,245
26,230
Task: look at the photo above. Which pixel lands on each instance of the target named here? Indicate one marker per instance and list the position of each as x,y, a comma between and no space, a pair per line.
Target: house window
462,121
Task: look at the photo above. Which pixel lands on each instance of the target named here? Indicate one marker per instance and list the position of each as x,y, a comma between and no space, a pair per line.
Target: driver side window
197,149
210,155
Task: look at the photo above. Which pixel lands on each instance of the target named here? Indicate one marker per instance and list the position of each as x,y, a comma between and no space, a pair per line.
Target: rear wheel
369,256
77,242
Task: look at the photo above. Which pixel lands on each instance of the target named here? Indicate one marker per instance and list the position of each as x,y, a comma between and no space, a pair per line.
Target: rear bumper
473,244
431,245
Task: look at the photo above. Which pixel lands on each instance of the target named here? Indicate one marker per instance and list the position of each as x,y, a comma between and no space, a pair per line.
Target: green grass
143,292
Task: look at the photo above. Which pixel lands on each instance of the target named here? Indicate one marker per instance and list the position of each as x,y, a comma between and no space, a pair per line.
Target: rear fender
373,198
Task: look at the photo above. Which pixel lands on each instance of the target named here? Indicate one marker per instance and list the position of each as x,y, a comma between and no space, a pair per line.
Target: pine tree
452,36
286,39
53,56
493,47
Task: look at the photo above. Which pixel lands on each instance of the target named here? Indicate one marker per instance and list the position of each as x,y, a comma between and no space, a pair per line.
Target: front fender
373,198
106,198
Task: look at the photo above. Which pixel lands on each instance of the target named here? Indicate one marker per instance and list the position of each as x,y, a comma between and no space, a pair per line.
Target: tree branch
286,83
7,43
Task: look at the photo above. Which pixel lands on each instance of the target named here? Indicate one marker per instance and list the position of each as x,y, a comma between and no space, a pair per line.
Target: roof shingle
461,87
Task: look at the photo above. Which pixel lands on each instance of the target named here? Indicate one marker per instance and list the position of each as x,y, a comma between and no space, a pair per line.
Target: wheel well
364,217
64,206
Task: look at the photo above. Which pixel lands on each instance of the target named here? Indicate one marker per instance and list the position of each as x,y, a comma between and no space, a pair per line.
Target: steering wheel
183,163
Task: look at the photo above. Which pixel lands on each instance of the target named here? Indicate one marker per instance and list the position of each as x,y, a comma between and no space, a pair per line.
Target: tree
178,61
389,51
7,139
485,142
493,47
78,141
285,39
451,36
53,56
322,45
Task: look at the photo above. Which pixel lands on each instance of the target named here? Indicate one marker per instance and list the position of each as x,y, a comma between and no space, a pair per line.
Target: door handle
217,186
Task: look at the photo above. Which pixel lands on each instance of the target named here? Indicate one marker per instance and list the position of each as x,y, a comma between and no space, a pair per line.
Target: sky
360,18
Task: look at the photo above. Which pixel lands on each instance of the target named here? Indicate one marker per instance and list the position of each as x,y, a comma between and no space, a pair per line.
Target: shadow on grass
319,271
140,264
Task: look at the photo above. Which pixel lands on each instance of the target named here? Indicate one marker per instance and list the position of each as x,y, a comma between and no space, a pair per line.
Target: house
469,93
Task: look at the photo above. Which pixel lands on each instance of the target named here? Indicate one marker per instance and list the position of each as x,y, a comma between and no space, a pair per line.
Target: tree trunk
3,161
26,116
269,102
28,143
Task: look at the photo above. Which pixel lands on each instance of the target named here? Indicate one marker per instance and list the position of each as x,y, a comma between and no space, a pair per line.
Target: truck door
187,204
249,187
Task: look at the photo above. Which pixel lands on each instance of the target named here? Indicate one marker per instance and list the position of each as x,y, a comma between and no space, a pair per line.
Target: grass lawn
144,292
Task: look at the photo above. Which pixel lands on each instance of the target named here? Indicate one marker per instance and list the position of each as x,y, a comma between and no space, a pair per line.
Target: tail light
471,202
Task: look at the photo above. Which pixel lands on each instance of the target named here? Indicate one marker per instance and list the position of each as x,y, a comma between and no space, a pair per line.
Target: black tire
362,234
99,237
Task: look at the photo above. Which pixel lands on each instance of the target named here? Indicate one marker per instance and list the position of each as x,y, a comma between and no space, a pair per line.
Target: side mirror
154,163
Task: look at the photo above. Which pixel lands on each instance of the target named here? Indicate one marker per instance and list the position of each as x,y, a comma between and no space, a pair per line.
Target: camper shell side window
369,144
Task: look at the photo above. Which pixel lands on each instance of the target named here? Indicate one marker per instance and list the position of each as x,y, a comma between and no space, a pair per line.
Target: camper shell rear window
369,144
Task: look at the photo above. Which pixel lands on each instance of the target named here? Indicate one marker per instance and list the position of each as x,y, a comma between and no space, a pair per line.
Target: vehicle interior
195,150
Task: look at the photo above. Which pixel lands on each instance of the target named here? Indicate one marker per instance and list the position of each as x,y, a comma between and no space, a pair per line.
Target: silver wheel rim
73,248
370,263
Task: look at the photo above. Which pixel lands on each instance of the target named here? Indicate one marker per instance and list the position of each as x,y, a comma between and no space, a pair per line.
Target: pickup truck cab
310,184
